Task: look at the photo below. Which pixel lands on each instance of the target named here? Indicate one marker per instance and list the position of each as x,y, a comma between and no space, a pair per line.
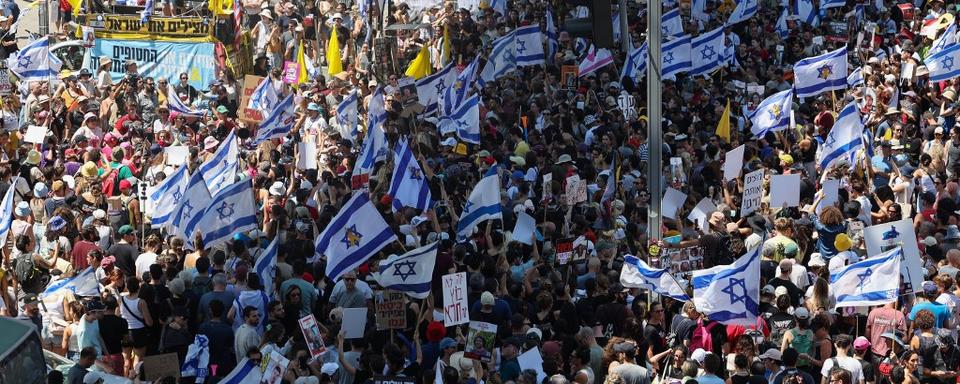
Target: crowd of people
77,205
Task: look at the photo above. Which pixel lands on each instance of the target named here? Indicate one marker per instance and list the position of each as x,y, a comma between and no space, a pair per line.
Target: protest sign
547,179
576,191
733,163
158,59
672,202
5,86
311,333
276,367
157,366
391,313
830,188
568,76
884,237
532,359
291,72
250,83
480,341
564,248
681,262
701,214
752,192
177,154
35,134
354,322
785,190
524,229
456,310
306,155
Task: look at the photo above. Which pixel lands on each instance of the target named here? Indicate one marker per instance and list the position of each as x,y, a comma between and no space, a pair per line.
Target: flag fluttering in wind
723,127
334,64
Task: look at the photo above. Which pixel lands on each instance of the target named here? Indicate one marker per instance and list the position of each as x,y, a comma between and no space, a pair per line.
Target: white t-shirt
845,362
144,261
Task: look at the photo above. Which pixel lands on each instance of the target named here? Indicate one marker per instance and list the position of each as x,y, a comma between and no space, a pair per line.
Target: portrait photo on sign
480,341
311,333
276,367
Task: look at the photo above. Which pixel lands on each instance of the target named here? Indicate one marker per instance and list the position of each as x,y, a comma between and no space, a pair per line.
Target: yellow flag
334,65
723,127
75,4
302,77
445,56
420,66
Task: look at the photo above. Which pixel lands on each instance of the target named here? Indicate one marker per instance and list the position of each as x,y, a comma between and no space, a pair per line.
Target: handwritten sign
391,314
157,366
455,308
752,192
576,191
250,83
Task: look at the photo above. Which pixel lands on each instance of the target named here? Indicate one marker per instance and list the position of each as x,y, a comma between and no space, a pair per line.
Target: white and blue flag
84,284
707,52
348,116
265,96
230,211
374,147
355,233
483,204
430,88
221,168
279,123
146,12
266,267
670,23
456,93
676,57
616,26
944,65
6,210
165,197
246,372
196,363
745,9
827,4
409,187
464,121
855,78
874,281
730,294
807,13
824,73
553,42
947,38
35,62
502,59
499,6
844,139
636,64
194,201
410,273
528,45
773,114
782,28
698,11
637,274
176,105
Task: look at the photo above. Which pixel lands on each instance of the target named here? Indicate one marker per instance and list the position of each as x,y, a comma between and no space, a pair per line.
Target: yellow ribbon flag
303,77
221,7
723,127
334,65
420,66
75,5
446,48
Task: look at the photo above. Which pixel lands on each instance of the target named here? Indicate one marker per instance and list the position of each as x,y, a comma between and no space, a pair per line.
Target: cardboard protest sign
752,192
456,310
480,341
391,312
884,237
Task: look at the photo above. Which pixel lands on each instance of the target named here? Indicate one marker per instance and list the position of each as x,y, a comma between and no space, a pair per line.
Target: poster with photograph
681,262
480,341
311,333
276,366
564,249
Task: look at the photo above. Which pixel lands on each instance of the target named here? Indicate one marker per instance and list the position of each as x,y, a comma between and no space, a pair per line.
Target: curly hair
924,320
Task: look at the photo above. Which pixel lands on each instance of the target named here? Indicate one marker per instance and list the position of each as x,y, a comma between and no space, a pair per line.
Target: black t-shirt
611,316
779,323
113,328
792,290
656,337
126,254
683,328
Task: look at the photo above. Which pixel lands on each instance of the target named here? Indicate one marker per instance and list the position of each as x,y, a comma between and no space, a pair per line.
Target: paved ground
30,19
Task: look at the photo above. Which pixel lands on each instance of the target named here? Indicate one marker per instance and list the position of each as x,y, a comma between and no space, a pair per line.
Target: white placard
524,229
455,308
307,156
177,154
752,192
35,134
354,321
883,237
733,163
701,213
831,194
784,191
672,201
532,359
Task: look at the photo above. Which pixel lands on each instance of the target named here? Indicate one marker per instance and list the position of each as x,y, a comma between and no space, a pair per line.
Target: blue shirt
941,314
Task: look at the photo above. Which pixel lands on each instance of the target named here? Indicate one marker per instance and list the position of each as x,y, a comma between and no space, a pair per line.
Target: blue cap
57,223
447,342
518,174
313,107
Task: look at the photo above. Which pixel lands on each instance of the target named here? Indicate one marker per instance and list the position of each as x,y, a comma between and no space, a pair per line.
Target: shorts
140,337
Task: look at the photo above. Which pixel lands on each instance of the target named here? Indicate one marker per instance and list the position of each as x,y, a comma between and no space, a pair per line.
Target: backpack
702,338
111,184
201,285
32,278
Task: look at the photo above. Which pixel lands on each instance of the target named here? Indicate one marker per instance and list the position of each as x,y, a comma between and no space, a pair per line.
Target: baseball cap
929,287
126,230
447,342
861,343
801,313
772,354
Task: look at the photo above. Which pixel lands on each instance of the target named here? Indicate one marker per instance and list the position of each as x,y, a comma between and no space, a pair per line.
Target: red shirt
79,254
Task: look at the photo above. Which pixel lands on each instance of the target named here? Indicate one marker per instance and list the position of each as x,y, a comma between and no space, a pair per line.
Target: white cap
99,214
277,188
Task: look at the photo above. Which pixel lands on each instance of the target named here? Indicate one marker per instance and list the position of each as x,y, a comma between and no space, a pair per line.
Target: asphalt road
30,20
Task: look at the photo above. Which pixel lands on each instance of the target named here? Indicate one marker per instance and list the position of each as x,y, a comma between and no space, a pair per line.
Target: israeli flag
773,114
265,96
409,186
230,211
194,200
197,360
637,274
636,65
35,62
465,121
616,26
947,38
348,115
483,204
676,57
355,233
221,168
146,12
176,105
827,4
807,13
499,6
698,11
944,65
165,197
528,45
266,267
855,78
553,42
246,372
374,146
6,211
670,23
410,273
782,28
824,73
707,52
84,284
745,9
874,281
279,123
844,139
502,59
730,294
454,95
431,87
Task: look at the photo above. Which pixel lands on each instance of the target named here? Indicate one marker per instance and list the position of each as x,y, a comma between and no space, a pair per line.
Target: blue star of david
707,52
440,86
521,46
461,123
947,63
408,265
468,206
734,296
352,237
891,234
668,58
825,71
225,210
177,195
415,173
187,210
24,62
831,138
865,277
